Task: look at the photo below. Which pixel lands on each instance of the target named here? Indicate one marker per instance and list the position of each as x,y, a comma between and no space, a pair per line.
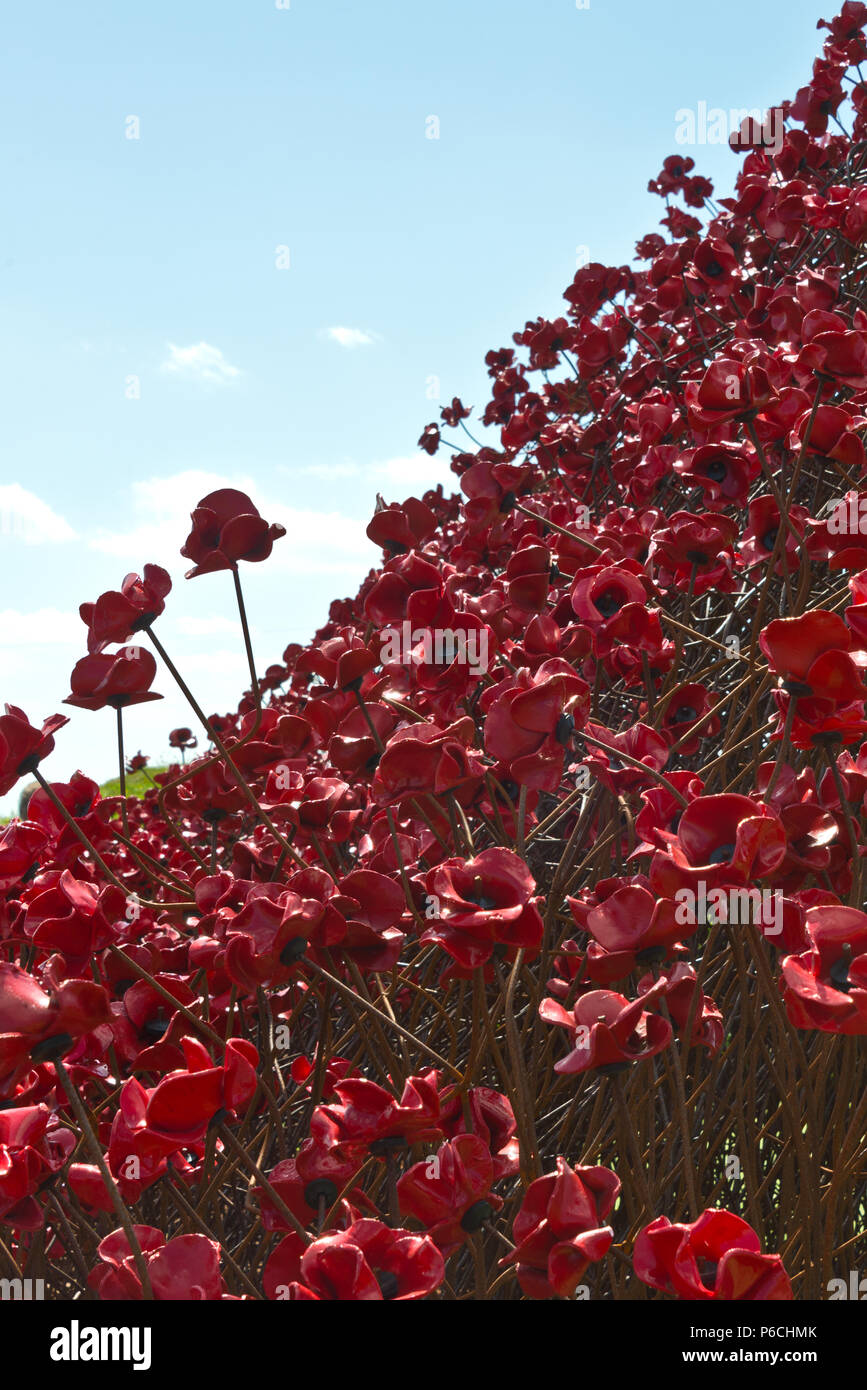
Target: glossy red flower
22,747
118,679
119,614
559,1232
227,528
719,1256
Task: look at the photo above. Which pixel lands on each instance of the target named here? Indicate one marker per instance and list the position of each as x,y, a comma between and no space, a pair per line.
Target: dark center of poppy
722,854
684,714
650,955
708,1271
475,1216
716,470
293,950
839,972
769,539
609,602
565,729
388,1283
156,1026
697,557
713,269
51,1048
391,1144
322,1188
480,900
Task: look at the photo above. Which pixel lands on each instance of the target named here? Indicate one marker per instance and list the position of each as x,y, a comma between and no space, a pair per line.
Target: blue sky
153,348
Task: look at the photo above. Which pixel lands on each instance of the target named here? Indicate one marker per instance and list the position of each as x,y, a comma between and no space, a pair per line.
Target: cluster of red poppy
280,1027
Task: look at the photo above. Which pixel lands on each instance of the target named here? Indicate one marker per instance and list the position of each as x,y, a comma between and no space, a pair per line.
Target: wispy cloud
408,470
207,627
25,517
317,542
351,337
201,362
44,626
414,470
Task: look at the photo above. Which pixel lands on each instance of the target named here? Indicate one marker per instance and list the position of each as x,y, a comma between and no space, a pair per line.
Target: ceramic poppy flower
450,1194
184,1269
227,528
602,591
826,987
430,439
180,1108
559,1232
795,648
32,1148
725,839
182,739
529,576
21,844
268,937
688,709
640,742
422,758
368,1262
119,614
22,747
147,1032
481,904
37,1025
366,1118
724,472
117,679
491,1117
608,1031
73,918
401,526
729,390
694,552
530,721
708,1029
632,920
818,666
719,1256
759,538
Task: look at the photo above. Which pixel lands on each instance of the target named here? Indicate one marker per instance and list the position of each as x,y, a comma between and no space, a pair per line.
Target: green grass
137,784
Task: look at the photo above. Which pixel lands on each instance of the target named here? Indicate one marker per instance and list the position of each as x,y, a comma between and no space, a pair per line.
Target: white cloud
415,471
232,667
25,517
323,470
201,362
351,337
43,627
317,542
207,627
407,470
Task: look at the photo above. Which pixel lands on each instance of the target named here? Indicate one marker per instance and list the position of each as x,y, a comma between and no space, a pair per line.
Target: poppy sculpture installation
431,974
